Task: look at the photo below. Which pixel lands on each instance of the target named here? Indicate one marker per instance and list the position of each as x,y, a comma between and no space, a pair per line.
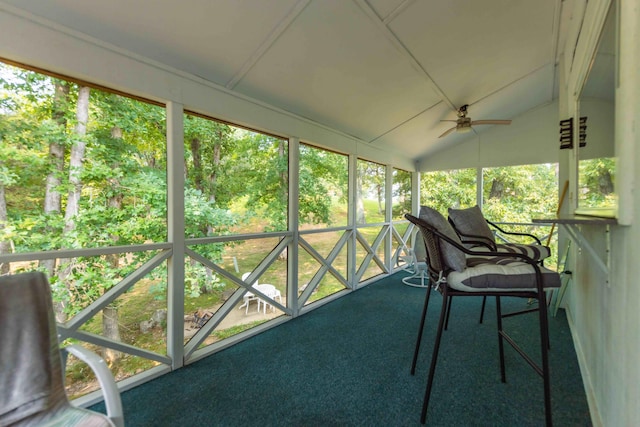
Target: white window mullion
388,217
175,222
479,186
294,207
351,245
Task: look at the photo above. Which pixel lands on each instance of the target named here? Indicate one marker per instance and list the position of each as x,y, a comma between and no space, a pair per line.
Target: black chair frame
472,239
438,270
483,241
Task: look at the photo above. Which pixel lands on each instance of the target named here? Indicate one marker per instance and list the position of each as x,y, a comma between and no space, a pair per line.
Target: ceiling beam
397,11
400,47
268,42
555,40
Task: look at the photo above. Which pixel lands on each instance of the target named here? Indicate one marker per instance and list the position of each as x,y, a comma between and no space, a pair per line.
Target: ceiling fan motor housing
464,123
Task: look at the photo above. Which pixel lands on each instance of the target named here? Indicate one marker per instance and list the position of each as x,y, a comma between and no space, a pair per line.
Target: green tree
322,179
444,189
370,182
401,193
597,182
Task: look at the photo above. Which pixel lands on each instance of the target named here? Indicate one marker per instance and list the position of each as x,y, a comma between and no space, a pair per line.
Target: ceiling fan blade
490,122
447,132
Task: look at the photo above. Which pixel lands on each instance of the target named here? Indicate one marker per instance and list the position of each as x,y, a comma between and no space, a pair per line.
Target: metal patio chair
32,376
455,270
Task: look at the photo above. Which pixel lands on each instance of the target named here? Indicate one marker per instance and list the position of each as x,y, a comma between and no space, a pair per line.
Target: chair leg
544,346
420,330
484,302
446,322
434,358
503,375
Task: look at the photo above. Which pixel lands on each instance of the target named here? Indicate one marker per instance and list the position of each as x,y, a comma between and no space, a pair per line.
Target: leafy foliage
597,182
444,189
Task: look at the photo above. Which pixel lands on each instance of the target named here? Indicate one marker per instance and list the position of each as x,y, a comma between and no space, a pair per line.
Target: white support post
415,203
479,186
415,193
388,217
294,207
352,225
627,116
175,223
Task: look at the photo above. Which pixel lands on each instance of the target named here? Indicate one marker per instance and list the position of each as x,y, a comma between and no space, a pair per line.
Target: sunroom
192,175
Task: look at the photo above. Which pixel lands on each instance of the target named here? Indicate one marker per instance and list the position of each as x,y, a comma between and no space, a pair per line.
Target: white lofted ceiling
383,71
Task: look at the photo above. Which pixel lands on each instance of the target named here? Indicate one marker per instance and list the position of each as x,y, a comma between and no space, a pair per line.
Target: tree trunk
77,158
75,170
110,329
497,188
5,245
284,176
605,182
196,155
213,177
52,197
360,217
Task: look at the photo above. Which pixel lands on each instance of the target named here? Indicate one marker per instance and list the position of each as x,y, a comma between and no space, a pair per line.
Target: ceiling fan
464,123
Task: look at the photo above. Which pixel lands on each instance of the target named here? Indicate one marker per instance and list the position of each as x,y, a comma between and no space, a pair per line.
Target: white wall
530,139
600,125
604,307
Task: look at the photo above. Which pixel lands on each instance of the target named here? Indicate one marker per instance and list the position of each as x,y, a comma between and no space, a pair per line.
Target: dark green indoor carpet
347,364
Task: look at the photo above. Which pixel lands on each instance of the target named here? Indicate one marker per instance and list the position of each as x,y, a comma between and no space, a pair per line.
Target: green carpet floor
347,364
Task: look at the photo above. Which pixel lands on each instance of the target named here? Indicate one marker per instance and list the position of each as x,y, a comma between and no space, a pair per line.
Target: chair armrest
471,239
110,390
513,233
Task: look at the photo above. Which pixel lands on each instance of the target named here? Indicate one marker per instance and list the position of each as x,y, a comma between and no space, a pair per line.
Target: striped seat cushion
535,252
499,274
67,415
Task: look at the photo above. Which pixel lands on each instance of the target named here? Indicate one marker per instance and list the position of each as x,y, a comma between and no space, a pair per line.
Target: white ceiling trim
395,42
397,11
405,122
515,82
556,40
268,42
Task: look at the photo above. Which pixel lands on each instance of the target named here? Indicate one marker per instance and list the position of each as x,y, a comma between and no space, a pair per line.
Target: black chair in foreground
455,270
475,232
31,378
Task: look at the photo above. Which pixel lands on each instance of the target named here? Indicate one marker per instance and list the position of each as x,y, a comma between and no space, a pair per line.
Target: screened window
85,168
370,202
401,195
236,184
323,188
520,193
444,189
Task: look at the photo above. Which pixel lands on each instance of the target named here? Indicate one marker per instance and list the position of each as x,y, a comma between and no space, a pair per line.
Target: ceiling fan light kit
464,124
